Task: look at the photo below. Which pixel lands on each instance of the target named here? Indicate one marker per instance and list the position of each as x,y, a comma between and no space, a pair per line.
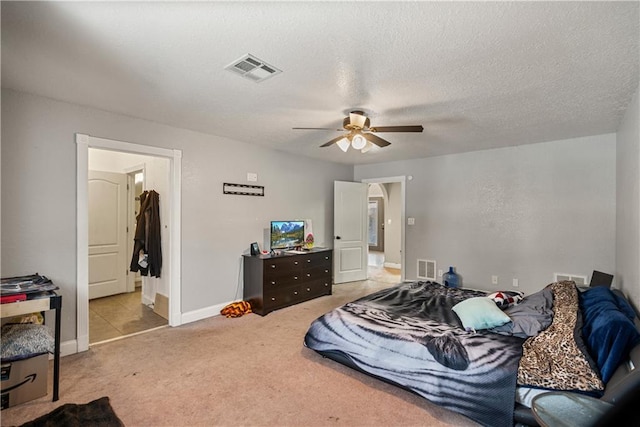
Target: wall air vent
252,68
579,279
426,269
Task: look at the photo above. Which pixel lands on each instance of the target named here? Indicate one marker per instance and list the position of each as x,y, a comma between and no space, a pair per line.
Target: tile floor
378,272
120,315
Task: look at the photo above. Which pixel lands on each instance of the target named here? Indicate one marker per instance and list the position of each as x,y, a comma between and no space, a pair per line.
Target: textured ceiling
476,75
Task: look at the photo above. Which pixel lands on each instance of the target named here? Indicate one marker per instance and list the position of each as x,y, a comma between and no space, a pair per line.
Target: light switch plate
252,177
411,221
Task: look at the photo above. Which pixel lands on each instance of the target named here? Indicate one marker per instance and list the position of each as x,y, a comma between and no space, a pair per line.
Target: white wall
521,212
628,206
39,196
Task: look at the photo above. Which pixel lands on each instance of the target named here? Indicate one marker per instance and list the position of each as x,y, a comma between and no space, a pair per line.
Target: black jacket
147,237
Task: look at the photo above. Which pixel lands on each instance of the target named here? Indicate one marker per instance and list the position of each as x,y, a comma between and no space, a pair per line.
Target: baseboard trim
67,348
395,265
203,313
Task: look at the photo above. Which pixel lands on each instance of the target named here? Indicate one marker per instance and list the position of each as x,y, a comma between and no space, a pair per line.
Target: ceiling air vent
253,68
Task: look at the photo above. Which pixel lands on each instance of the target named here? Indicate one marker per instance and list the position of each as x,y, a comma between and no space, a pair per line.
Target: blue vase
451,279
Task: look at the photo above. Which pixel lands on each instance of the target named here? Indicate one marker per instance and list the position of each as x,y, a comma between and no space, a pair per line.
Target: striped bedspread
409,335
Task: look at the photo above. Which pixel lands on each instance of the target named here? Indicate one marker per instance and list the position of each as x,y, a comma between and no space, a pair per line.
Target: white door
108,266
350,220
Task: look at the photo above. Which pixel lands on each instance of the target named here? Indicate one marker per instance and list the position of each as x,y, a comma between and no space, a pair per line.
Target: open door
107,233
350,220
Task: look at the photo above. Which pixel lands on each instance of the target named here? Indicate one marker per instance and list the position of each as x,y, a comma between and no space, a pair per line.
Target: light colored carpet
247,371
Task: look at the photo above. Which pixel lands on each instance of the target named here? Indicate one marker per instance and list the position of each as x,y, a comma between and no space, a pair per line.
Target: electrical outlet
411,221
252,177
494,280
439,273
515,283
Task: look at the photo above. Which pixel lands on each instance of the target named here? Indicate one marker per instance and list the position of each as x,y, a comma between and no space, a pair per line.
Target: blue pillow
480,313
608,330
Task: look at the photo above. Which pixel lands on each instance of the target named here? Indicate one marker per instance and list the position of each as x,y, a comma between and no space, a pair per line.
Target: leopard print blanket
557,357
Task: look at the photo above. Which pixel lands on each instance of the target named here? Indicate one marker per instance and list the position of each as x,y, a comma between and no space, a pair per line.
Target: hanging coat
147,254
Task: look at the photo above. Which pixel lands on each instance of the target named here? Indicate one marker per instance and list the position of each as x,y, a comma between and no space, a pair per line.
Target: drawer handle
295,293
273,298
295,277
308,289
308,260
308,274
326,271
326,257
273,283
326,284
295,262
273,266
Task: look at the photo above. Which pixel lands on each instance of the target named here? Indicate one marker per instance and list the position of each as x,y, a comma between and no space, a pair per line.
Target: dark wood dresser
273,282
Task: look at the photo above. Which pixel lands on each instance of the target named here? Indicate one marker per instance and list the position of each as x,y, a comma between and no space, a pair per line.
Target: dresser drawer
275,298
279,281
320,272
284,266
316,288
315,260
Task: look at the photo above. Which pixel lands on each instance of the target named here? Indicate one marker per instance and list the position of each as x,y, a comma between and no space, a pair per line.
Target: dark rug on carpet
97,413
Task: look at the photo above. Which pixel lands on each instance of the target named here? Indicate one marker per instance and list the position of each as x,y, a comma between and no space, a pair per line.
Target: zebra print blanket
409,335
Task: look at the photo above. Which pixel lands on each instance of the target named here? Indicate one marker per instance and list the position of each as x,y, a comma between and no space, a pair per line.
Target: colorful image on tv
286,234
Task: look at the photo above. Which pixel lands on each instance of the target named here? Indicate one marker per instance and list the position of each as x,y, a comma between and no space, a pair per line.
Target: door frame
131,196
380,224
403,186
83,143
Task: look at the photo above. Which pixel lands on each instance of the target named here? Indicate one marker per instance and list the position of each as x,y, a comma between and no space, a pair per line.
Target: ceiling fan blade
417,128
374,139
339,130
333,141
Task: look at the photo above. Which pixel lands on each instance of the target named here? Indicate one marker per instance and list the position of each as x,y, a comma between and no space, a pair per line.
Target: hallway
378,272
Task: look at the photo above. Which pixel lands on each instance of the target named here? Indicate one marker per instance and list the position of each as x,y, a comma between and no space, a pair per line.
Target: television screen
286,234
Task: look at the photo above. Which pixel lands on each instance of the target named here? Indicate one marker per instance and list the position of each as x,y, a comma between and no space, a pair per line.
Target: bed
478,353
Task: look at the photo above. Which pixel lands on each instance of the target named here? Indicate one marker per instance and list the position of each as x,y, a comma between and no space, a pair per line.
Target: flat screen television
287,234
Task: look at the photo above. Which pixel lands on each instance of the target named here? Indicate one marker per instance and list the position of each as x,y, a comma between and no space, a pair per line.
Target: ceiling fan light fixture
357,120
343,144
358,142
361,135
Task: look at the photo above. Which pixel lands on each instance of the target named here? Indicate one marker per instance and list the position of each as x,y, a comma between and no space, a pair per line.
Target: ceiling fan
361,135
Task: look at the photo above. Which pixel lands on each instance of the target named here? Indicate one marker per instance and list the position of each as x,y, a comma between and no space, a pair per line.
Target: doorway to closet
163,174
121,302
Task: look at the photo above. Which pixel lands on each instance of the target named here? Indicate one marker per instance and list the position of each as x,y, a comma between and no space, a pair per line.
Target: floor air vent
426,269
252,68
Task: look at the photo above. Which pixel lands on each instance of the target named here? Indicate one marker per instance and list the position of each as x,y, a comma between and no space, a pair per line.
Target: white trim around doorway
403,181
83,143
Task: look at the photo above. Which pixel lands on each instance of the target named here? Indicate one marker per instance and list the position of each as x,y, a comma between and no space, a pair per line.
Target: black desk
52,301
